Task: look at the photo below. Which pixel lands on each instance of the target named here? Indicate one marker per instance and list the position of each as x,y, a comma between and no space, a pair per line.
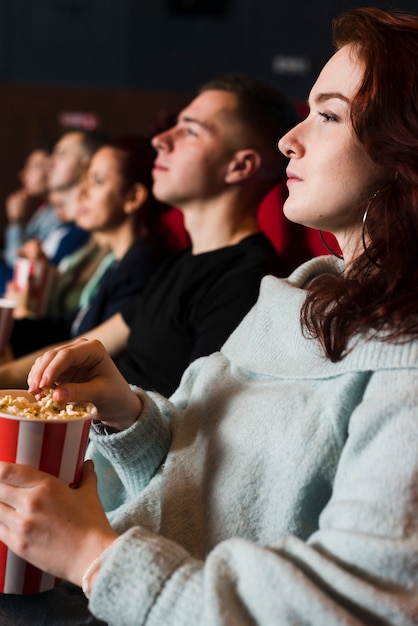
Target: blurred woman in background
117,207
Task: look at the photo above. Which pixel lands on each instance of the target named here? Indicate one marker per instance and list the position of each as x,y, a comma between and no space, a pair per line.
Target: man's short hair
91,140
264,110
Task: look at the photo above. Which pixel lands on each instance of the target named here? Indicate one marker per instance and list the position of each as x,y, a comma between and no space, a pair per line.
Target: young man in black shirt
216,164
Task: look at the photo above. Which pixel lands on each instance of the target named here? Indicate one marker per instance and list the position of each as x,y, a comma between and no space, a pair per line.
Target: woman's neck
119,241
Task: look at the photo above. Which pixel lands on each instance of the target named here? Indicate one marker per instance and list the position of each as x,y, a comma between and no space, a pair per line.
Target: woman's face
102,198
34,175
329,171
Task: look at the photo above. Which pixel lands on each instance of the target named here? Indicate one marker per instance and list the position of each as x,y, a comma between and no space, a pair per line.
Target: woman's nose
290,144
285,145
83,192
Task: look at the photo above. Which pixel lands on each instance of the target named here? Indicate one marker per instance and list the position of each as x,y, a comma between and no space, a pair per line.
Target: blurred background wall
121,64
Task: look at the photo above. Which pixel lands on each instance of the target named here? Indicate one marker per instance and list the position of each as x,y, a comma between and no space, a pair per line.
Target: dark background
128,61
166,44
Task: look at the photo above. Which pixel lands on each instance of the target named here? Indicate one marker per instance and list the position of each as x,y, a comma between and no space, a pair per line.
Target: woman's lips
292,178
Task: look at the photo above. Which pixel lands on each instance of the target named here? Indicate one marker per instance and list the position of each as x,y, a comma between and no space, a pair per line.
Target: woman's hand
56,528
84,372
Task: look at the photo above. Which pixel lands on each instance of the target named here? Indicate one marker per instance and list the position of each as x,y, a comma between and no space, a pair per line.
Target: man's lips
158,167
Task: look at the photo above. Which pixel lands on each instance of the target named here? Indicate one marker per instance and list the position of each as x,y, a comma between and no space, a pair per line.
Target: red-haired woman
279,483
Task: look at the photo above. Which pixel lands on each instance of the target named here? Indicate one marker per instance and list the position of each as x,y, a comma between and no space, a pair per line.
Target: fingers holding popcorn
83,371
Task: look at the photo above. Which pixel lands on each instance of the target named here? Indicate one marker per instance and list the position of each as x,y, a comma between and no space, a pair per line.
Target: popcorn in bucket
51,437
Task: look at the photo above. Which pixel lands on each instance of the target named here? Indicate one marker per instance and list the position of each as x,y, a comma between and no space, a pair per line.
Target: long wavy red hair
378,295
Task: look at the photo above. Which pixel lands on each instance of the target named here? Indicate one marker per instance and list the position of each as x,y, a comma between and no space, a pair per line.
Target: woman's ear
243,165
135,198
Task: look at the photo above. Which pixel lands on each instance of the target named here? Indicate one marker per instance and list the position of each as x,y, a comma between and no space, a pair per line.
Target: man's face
68,162
194,155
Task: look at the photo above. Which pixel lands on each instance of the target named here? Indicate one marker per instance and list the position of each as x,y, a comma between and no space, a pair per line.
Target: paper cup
38,278
6,322
55,446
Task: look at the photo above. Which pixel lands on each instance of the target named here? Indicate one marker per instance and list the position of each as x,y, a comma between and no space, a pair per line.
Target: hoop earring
339,256
365,214
363,228
363,232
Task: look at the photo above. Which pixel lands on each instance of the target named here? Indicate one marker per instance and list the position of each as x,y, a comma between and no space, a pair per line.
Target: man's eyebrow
323,97
192,120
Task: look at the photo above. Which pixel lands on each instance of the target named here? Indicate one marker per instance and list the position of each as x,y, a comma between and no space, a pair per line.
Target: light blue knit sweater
276,488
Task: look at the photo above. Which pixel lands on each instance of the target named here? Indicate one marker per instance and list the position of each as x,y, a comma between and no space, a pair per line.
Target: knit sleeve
126,462
359,567
143,447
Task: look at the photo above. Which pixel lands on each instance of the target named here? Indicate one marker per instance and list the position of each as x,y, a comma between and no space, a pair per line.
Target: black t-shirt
189,308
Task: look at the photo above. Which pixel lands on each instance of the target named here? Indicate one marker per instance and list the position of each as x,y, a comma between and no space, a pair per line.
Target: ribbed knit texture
275,487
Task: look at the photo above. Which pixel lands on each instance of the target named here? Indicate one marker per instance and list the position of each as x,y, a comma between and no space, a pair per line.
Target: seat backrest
293,242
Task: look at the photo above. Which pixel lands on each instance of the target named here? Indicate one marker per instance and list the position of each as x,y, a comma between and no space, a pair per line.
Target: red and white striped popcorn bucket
38,277
56,446
6,322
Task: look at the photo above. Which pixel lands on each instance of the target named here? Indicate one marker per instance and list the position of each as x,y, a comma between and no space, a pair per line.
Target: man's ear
135,198
243,165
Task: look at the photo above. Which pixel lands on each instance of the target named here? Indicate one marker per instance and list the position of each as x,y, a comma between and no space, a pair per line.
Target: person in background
65,238
68,278
278,485
22,204
215,164
29,214
115,205
68,164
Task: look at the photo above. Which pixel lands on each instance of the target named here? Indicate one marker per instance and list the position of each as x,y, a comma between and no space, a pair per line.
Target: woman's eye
328,117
